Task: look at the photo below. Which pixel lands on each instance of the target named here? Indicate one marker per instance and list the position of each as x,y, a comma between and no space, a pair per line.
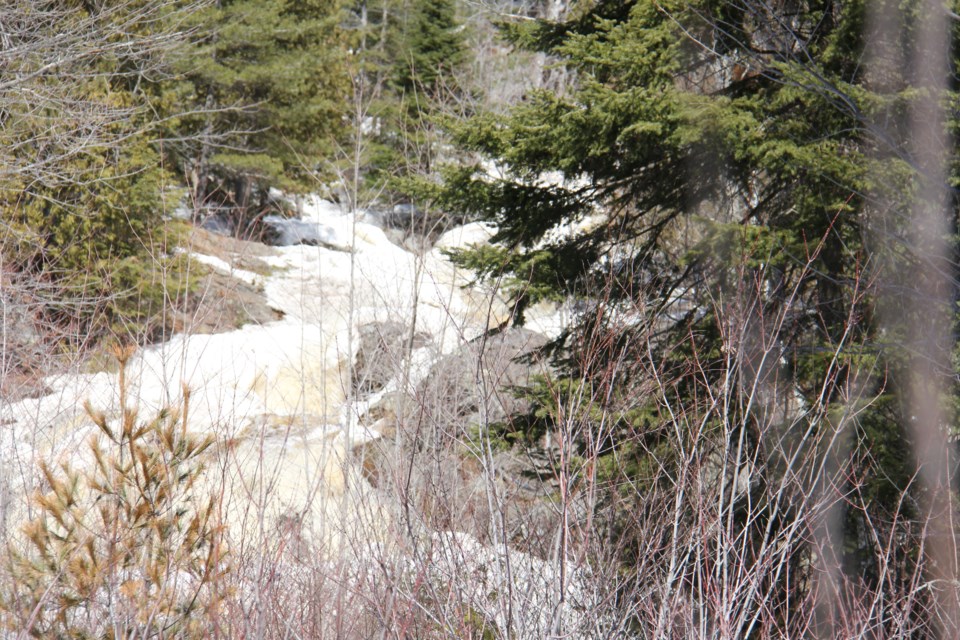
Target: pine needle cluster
128,546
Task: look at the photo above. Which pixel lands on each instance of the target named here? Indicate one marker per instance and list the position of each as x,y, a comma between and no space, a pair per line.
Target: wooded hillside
747,211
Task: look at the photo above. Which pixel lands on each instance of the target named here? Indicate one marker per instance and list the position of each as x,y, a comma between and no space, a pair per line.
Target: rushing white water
278,399
279,392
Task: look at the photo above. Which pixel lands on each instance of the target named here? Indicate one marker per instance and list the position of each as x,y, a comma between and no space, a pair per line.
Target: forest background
750,206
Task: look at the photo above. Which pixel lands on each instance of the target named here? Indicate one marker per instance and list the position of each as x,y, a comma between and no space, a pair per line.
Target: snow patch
474,233
224,267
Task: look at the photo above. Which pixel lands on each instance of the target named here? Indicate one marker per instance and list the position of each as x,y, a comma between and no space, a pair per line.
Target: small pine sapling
128,546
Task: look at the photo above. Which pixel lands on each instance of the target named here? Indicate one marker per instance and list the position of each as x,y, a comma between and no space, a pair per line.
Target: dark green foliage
101,241
429,49
266,80
409,64
757,159
743,162
83,193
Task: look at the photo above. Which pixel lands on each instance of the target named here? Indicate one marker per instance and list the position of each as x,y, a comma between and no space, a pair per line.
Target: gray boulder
379,359
475,385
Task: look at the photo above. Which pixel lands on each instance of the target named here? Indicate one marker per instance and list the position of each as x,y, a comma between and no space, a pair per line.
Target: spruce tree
424,51
730,148
266,83
82,184
430,49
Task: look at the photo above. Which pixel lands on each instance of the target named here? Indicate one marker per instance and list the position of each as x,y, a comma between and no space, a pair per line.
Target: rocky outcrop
434,449
381,353
475,384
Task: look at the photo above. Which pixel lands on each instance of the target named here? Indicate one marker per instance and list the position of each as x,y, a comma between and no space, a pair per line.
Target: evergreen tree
411,57
430,49
732,148
267,84
82,186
